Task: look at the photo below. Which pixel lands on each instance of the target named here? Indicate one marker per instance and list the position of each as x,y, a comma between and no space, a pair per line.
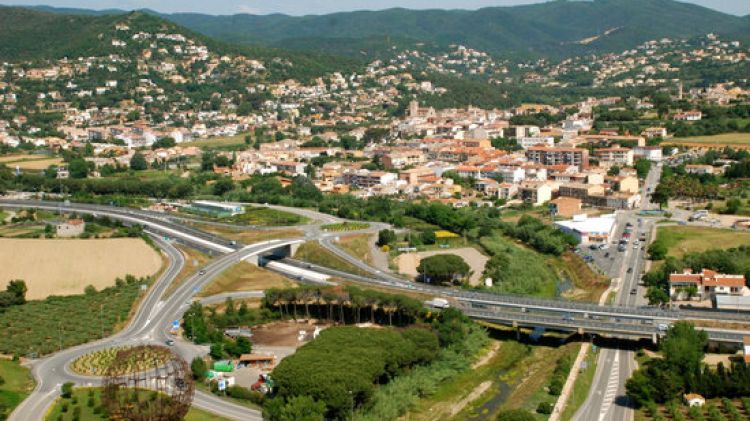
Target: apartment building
558,155
614,156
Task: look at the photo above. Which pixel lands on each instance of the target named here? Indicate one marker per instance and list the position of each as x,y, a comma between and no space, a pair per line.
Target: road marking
613,384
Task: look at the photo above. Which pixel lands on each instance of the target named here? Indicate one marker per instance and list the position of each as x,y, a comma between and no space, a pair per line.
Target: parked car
633,291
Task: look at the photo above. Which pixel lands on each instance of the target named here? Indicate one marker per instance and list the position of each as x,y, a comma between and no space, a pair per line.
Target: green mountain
40,35
556,28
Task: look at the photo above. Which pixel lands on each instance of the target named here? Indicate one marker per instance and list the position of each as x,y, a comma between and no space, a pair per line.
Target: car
170,342
202,272
606,254
630,270
633,291
629,224
635,246
593,247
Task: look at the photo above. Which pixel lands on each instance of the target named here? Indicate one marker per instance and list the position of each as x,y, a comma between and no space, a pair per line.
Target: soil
282,333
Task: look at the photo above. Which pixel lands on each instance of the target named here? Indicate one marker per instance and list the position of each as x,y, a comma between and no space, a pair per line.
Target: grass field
245,276
526,272
30,162
716,140
681,240
357,245
44,326
219,141
313,252
89,402
64,267
18,384
263,216
249,237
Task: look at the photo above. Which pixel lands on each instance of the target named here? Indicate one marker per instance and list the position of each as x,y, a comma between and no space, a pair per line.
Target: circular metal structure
163,392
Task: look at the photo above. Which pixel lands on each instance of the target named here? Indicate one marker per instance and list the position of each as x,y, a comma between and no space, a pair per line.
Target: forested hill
559,28
29,34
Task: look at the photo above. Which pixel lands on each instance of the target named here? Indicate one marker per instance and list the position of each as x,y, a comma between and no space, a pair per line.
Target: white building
589,230
529,141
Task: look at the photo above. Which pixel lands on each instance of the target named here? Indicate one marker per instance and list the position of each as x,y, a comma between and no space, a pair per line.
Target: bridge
518,311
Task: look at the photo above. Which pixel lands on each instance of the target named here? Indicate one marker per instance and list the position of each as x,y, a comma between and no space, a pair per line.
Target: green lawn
681,240
345,226
263,216
89,402
17,385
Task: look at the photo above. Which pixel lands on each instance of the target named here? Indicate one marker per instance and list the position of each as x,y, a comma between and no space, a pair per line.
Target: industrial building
587,230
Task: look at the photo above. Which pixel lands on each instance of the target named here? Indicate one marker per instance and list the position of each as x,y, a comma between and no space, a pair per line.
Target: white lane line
612,385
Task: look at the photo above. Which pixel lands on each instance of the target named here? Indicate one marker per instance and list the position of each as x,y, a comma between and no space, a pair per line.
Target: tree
661,195
515,415
642,167
66,391
684,347
302,408
657,295
138,162
428,237
614,170
78,168
657,250
386,237
443,268
199,368
222,186
164,142
16,289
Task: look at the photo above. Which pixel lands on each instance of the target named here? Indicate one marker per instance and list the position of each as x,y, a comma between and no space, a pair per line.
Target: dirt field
65,267
281,333
30,162
245,276
408,262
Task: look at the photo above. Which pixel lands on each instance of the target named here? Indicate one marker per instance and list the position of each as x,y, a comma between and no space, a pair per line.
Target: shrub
545,408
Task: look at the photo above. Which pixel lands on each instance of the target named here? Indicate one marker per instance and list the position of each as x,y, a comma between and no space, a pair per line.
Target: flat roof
598,225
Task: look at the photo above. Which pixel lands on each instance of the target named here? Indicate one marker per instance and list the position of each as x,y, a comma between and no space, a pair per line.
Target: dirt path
408,262
379,257
474,395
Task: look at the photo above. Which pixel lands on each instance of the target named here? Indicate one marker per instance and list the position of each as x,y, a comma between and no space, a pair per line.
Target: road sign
176,324
222,384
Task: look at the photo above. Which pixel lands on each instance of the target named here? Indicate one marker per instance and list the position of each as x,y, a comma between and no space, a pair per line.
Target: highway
607,398
154,316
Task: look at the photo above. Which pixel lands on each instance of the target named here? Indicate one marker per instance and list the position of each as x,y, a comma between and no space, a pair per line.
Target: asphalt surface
607,398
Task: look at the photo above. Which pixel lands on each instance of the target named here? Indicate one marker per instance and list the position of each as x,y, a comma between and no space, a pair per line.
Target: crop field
64,267
96,363
44,326
87,403
726,139
29,162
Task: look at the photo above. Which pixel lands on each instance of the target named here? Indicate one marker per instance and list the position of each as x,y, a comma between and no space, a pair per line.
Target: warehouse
587,230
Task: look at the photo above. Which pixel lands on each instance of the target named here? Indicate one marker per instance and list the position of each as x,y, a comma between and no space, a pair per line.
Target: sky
303,7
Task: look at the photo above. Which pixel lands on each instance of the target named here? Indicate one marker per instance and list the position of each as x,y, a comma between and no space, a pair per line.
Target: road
607,398
150,325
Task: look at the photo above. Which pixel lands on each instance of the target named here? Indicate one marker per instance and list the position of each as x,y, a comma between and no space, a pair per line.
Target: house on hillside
70,228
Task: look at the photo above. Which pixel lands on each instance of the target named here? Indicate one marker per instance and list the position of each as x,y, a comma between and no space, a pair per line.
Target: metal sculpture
161,392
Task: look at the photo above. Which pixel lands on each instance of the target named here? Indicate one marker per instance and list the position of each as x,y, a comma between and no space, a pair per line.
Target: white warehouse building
587,230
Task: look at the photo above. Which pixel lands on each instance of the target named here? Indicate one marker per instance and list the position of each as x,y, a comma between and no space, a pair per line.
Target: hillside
555,28
29,34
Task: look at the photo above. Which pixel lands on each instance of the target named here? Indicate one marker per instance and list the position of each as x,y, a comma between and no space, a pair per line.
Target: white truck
438,303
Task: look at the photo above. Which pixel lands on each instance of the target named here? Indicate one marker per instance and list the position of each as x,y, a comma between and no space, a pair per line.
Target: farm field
64,267
18,384
727,139
681,240
41,327
713,410
82,396
245,276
